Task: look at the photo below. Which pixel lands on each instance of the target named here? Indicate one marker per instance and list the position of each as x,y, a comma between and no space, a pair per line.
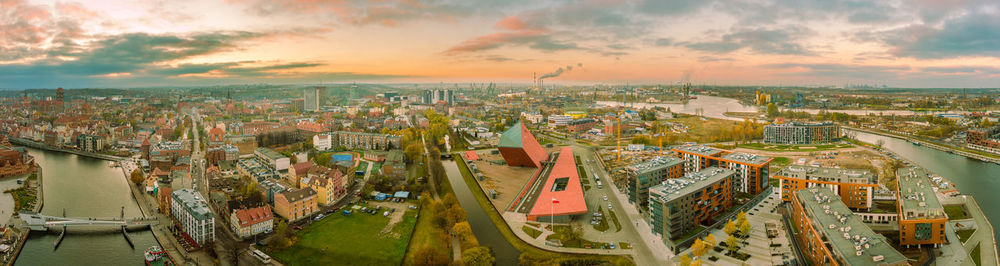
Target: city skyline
76,44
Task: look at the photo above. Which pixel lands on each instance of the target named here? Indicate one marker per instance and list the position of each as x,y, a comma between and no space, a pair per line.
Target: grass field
603,226
529,252
976,257
426,234
803,147
614,218
350,240
531,231
955,212
964,234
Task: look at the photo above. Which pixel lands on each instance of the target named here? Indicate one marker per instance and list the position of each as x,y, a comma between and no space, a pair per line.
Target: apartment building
855,187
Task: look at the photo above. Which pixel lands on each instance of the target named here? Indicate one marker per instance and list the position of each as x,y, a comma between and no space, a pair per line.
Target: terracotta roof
303,167
253,216
569,196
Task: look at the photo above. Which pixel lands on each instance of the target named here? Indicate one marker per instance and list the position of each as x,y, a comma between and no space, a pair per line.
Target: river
84,187
482,226
971,177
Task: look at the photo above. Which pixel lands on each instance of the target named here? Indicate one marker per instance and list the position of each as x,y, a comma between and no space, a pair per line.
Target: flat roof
916,195
193,203
844,231
698,149
746,158
269,153
675,188
568,193
655,164
837,175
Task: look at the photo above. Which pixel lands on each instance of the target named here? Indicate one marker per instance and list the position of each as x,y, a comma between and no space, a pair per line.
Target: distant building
394,165
14,161
751,170
250,222
519,148
922,219
559,120
581,125
296,204
192,215
679,205
646,174
273,160
855,187
90,143
830,234
322,142
330,184
365,141
984,139
436,96
314,98
801,133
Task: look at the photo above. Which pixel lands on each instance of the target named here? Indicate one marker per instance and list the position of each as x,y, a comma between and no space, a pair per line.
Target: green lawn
534,233
350,240
531,254
781,161
426,234
976,257
603,226
964,234
614,218
802,147
955,212
562,231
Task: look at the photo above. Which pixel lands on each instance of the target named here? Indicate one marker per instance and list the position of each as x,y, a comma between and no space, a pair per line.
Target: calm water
710,106
972,177
84,187
482,226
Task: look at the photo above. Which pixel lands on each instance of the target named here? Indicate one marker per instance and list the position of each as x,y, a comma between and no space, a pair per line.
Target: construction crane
621,109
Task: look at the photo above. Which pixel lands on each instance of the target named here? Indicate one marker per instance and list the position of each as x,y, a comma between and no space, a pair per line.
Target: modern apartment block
679,205
801,133
436,96
643,175
190,212
830,234
854,186
921,217
365,141
986,139
751,170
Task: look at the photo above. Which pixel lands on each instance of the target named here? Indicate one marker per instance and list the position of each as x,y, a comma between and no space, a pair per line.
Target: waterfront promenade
33,144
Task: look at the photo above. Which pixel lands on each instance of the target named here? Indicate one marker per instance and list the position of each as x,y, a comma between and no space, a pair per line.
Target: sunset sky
120,43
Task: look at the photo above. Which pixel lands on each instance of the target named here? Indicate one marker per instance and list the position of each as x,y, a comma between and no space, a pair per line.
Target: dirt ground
854,158
506,180
395,217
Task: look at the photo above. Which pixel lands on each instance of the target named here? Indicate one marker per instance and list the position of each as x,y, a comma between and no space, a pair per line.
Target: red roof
253,216
471,155
570,199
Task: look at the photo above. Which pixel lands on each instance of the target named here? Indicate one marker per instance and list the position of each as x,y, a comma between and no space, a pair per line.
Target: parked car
609,206
605,197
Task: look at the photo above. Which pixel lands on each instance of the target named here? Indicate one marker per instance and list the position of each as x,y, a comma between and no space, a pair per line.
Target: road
645,246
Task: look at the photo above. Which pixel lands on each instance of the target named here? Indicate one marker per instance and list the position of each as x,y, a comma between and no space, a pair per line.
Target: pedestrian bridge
39,222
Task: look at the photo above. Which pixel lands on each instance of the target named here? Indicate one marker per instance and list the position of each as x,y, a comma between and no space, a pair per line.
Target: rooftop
657,163
563,185
746,158
916,195
675,188
801,124
193,203
269,153
851,240
699,149
837,175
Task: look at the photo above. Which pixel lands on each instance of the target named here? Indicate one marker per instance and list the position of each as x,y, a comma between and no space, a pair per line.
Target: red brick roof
253,216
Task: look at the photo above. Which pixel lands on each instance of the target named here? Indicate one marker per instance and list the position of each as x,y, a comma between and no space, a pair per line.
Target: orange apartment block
921,217
296,204
855,187
752,171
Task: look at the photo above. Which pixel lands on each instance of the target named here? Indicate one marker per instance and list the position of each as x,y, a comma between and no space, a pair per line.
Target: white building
559,120
322,142
193,215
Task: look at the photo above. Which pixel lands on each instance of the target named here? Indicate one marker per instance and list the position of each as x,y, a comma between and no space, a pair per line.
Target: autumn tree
698,248
745,228
732,244
429,255
464,233
730,227
478,256
709,241
772,110
136,177
685,260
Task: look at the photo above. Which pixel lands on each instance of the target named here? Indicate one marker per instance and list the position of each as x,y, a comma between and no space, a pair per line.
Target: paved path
456,248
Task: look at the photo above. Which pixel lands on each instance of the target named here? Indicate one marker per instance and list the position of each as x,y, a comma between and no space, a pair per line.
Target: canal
487,234
971,177
84,187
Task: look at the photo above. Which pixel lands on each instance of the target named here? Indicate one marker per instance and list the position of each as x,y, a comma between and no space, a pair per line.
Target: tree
137,177
730,228
413,151
772,110
465,235
698,248
280,239
741,218
696,263
745,228
732,244
478,256
685,260
429,255
709,241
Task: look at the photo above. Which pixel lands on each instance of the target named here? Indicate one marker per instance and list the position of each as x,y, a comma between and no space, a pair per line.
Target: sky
123,43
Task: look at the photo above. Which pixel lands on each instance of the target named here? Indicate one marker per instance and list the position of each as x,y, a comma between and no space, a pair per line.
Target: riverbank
22,237
42,146
930,144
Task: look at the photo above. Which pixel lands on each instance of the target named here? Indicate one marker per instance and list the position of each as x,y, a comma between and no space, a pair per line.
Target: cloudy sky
122,43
